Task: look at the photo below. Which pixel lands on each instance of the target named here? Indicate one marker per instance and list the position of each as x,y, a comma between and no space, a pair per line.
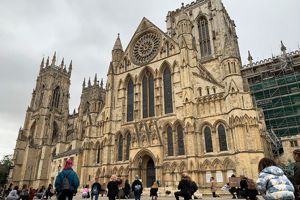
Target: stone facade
174,102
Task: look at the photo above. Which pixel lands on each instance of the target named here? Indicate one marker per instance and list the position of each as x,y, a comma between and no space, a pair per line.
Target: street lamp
140,165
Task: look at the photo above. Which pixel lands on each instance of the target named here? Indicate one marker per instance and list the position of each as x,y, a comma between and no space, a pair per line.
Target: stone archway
146,168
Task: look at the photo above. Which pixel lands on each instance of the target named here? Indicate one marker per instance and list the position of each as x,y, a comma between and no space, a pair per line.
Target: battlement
270,60
62,67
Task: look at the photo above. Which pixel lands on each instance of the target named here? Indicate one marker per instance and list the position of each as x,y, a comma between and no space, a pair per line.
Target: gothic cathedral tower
45,124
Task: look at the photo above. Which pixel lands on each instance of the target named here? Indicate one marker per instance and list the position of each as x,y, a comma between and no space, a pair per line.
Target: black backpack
65,182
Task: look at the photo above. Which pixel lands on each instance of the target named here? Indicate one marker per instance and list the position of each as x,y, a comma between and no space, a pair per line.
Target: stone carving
145,48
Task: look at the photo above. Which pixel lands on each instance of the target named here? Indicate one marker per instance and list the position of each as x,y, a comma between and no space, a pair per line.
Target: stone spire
283,48
101,83
83,84
70,67
53,59
42,63
62,63
118,43
250,59
95,79
89,82
47,62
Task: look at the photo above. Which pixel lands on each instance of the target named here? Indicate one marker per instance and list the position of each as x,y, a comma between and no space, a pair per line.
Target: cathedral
174,102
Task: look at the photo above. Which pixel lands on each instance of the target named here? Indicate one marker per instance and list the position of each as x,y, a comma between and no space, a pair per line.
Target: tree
5,165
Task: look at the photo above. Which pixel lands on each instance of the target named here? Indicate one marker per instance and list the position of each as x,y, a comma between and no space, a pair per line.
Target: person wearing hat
296,177
66,182
137,188
96,188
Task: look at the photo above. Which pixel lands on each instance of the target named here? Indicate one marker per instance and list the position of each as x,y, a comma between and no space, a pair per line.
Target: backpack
137,188
251,184
65,183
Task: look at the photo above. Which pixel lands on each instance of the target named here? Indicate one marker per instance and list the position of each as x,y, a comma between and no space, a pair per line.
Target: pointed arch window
222,138
55,132
98,154
148,95
120,148
168,91
170,141
130,98
180,138
56,97
208,140
205,47
128,146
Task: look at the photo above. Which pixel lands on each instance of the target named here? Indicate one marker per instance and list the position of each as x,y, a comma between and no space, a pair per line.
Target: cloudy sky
85,31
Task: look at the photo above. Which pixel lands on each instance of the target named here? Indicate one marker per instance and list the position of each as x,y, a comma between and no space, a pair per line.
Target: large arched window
128,146
205,47
208,140
180,140
168,91
130,98
98,154
222,138
148,95
120,148
55,132
170,141
56,97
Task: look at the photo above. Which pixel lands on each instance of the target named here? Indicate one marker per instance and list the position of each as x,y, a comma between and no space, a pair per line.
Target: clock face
145,48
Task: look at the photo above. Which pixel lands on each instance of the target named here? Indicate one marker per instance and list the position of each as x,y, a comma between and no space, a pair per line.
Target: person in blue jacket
66,182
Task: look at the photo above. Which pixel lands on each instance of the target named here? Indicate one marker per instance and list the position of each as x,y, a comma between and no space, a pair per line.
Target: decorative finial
83,84
42,63
95,79
101,84
182,5
47,62
62,63
70,67
89,83
283,48
250,59
53,59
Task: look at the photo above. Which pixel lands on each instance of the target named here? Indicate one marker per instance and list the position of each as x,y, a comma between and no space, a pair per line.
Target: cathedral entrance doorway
146,168
150,172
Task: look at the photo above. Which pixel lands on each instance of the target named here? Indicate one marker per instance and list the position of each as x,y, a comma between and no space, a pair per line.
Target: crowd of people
272,183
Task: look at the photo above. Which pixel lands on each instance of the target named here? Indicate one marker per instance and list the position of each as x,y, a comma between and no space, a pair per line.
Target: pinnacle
118,44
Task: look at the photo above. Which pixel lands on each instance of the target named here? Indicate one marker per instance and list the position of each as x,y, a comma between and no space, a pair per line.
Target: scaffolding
275,86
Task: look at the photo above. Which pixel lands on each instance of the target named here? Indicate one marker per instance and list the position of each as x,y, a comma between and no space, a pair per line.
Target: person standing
24,194
213,187
272,183
66,182
49,191
184,188
296,176
126,189
96,188
86,192
153,191
137,188
113,188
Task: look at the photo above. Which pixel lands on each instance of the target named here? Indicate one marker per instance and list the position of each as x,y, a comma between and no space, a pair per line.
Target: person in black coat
95,189
184,187
113,188
126,189
137,188
153,191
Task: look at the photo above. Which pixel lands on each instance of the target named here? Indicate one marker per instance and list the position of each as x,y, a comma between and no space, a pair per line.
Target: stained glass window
56,97
222,138
168,91
148,95
180,137
130,98
208,140
205,47
170,141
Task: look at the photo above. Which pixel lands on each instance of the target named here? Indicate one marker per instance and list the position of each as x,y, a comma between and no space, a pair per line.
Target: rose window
145,48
